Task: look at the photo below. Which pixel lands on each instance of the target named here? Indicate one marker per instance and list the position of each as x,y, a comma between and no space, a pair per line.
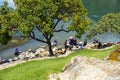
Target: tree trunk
50,49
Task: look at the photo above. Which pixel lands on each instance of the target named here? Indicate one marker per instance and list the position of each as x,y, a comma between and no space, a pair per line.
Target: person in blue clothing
55,43
16,52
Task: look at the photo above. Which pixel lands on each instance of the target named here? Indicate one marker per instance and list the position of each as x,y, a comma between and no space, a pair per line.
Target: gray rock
82,68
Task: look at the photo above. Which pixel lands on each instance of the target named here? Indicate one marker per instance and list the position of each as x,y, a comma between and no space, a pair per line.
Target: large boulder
82,68
92,46
115,55
27,55
42,52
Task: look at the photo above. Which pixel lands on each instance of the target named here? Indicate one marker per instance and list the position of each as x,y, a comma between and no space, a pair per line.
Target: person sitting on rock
66,45
99,45
85,43
80,45
74,42
16,52
54,43
71,41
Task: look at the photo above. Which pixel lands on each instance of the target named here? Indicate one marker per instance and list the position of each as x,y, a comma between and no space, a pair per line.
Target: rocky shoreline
40,54
24,57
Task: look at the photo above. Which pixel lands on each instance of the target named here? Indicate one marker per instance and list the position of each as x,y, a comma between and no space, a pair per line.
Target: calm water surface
98,8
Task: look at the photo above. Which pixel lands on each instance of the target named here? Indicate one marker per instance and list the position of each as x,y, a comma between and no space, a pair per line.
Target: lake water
96,9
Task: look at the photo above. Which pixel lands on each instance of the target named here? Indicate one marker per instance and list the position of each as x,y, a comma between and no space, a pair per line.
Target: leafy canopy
46,14
5,24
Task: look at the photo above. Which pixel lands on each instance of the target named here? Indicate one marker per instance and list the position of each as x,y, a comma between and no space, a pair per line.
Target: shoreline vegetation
16,41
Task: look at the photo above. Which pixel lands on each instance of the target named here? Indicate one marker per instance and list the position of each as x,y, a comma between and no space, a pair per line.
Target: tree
45,15
108,23
5,29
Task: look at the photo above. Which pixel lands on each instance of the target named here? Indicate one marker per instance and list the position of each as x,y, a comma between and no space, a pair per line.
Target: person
66,44
95,41
85,43
5,61
75,42
98,42
16,52
55,43
80,45
71,41
99,45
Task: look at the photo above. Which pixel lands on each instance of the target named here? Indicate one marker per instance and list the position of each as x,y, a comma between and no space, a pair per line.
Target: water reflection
98,8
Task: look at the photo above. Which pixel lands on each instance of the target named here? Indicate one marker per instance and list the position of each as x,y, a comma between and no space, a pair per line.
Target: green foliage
35,13
108,23
75,13
5,9
42,13
4,37
40,69
6,27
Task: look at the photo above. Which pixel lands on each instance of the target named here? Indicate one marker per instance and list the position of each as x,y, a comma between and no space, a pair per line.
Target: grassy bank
40,69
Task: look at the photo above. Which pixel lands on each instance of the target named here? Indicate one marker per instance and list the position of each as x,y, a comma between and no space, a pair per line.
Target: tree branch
38,28
50,36
45,35
33,37
61,30
56,23
33,34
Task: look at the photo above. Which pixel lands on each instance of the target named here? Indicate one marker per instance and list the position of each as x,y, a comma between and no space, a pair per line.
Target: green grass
40,69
